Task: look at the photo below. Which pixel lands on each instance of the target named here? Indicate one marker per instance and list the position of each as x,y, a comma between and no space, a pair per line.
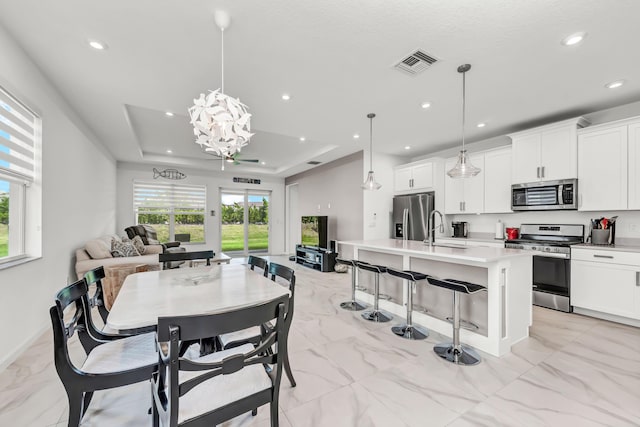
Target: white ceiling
335,58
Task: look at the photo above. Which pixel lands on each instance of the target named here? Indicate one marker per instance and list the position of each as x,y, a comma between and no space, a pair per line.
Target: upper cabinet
465,195
414,177
609,166
546,153
497,180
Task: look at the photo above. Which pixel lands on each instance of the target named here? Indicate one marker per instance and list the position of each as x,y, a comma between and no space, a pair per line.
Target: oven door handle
551,255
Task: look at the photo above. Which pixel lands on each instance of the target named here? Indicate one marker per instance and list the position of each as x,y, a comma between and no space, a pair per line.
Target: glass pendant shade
463,167
370,183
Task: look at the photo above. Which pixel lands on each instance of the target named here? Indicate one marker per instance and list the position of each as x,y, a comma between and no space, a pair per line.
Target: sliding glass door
244,224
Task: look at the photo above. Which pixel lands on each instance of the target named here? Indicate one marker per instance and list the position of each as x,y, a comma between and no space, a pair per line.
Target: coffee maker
460,228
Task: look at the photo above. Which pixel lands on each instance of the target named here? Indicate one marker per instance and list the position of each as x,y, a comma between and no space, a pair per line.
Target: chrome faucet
431,236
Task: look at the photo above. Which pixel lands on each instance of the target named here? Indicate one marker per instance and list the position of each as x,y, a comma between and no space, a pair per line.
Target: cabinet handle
411,182
603,256
543,172
460,206
637,278
538,171
464,206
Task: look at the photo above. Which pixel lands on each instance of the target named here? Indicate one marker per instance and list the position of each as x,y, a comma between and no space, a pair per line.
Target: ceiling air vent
416,62
313,162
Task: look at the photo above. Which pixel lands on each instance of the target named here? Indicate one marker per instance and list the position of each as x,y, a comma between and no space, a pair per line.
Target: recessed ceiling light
286,97
574,39
98,45
303,139
425,105
263,163
356,136
407,147
169,114
481,125
169,151
614,85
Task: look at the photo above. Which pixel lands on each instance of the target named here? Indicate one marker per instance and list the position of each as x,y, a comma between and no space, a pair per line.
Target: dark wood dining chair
166,258
252,335
211,389
261,263
112,361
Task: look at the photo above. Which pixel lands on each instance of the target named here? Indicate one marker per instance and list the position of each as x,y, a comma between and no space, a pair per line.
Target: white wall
378,205
214,181
78,203
332,189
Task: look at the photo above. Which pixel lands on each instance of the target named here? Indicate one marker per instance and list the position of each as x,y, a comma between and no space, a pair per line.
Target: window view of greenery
233,223
184,223
310,231
4,222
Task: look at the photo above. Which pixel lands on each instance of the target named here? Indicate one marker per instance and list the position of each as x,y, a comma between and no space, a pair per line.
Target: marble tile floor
572,371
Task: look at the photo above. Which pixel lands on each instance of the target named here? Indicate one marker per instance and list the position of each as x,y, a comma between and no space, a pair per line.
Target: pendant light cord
464,86
371,143
222,50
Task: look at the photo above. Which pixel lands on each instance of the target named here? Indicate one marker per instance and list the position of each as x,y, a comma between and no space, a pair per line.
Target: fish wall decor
168,174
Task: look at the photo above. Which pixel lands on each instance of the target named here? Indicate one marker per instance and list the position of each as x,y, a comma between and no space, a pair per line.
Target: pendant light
221,123
370,183
463,168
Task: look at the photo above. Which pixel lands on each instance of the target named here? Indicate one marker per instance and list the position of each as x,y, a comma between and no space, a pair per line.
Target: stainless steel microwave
543,196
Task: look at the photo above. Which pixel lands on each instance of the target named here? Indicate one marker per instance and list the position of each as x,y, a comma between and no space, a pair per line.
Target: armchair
149,236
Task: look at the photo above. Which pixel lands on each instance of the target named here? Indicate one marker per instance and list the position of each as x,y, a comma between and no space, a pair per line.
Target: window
19,133
171,209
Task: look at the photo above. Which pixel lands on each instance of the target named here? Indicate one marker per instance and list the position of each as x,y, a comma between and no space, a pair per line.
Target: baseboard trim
13,355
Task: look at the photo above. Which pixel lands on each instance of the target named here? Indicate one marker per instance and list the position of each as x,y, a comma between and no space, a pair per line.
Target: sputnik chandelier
221,123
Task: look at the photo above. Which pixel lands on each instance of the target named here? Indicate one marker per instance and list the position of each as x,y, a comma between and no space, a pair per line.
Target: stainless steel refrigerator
411,216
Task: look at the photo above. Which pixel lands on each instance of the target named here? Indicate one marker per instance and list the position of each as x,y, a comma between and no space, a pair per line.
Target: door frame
245,192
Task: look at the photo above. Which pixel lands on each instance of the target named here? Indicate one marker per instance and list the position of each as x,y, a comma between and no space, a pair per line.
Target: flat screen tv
315,231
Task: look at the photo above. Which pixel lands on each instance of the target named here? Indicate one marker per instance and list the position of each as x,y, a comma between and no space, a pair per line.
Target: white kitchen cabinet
414,177
602,169
606,282
464,195
546,153
497,180
634,165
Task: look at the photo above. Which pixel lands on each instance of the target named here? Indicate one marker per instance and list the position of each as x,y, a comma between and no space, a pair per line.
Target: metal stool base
464,324
376,316
352,306
409,332
467,356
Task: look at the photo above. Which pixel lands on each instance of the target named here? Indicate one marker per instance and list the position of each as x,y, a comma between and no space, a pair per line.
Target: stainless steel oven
551,261
549,195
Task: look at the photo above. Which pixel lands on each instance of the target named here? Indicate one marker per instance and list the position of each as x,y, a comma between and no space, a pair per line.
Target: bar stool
375,315
407,330
455,352
352,305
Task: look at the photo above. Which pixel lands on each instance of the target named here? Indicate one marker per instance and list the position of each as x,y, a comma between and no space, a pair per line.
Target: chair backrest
182,237
286,273
255,261
166,387
76,295
166,258
95,276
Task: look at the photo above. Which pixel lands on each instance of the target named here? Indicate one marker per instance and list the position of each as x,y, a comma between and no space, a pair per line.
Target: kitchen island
497,319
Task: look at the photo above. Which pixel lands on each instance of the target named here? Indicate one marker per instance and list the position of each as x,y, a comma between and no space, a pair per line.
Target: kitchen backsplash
628,222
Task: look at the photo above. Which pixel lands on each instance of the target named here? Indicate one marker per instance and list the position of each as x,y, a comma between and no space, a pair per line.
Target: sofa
97,252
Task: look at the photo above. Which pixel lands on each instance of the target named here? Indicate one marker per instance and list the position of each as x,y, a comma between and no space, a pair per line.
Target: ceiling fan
234,158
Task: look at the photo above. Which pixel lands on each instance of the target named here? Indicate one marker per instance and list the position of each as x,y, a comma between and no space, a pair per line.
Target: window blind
168,197
19,128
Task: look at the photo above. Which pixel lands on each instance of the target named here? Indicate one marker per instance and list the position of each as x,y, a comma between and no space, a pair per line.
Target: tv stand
317,258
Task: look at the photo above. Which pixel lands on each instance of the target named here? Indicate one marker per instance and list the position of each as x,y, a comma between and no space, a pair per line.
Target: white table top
189,291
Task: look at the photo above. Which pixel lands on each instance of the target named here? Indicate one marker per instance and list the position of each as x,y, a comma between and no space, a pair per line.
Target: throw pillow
98,249
137,242
123,249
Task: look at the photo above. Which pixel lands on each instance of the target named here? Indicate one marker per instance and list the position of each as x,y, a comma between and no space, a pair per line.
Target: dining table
144,297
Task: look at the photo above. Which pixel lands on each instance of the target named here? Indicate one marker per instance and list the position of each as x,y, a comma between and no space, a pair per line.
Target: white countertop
411,247
472,239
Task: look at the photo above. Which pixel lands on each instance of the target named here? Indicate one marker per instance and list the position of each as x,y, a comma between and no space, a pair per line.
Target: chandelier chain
222,51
